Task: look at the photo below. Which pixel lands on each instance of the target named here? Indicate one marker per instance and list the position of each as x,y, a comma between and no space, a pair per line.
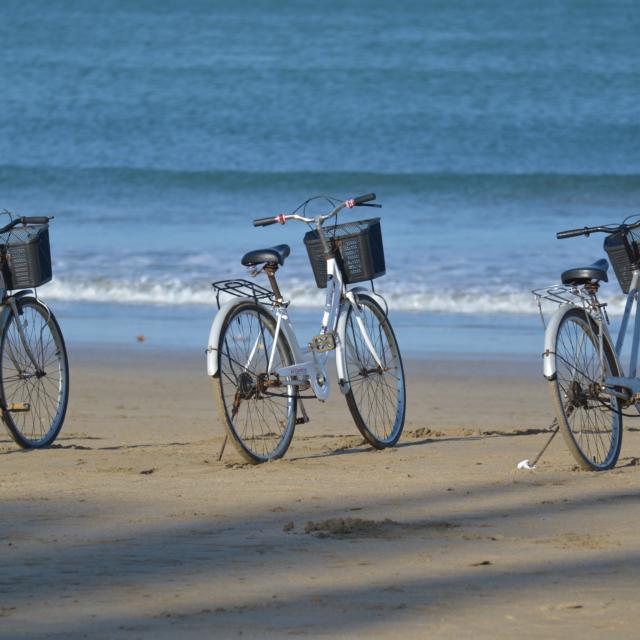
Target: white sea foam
173,291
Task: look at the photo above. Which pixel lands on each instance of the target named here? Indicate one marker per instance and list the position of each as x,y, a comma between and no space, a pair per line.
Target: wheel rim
378,392
590,415
260,419
42,389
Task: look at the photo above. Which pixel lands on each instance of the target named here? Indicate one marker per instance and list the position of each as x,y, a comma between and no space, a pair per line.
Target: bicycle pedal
322,342
19,406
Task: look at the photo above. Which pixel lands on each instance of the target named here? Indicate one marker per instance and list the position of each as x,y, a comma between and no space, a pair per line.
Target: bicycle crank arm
306,373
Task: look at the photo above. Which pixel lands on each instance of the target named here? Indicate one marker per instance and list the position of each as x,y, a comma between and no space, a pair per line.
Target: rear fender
216,329
549,364
549,354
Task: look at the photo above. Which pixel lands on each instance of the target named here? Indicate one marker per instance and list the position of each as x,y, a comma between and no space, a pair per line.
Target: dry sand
129,527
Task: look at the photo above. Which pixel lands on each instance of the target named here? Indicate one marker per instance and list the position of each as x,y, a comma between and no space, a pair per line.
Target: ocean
156,131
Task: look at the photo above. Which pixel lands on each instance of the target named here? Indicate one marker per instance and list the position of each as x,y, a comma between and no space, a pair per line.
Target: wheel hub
246,385
367,372
579,396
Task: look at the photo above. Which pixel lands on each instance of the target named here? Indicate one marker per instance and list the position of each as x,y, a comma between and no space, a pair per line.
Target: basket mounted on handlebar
357,247
25,256
623,249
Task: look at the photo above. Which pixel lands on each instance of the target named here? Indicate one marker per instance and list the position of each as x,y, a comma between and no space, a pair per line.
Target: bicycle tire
590,422
260,424
34,402
376,399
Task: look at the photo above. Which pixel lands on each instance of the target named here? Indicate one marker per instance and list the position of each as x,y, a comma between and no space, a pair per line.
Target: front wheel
376,396
34,375
590,420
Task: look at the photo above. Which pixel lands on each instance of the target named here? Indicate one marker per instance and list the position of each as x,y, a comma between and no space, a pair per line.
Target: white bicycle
581,360
34,370
260,371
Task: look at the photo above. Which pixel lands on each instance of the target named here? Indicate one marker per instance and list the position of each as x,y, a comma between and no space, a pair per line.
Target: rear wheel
376,397
34,383
590,420
258,413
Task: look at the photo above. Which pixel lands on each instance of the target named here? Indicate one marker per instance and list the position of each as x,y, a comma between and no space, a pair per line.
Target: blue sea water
155,132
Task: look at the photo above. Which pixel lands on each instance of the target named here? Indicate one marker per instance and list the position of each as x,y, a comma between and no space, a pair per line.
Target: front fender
5,309
373,295
214,333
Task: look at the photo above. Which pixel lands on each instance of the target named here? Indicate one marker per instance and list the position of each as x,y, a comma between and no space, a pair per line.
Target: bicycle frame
630,381
310,362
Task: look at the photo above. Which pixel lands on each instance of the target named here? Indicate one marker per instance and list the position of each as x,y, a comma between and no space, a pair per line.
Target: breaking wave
173,291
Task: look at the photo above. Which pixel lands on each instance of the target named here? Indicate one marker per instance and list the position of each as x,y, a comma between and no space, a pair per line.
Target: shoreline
420,334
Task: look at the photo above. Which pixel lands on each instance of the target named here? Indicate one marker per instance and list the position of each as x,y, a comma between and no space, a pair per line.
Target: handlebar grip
34,219
572,233
265,222
362,199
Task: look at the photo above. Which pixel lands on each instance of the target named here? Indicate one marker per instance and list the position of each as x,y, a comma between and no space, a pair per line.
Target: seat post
270,269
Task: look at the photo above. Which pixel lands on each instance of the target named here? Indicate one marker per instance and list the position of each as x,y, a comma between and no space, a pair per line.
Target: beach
155,135
129,526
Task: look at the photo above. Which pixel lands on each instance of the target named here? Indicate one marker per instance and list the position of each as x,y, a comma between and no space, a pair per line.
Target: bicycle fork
363,330
39,373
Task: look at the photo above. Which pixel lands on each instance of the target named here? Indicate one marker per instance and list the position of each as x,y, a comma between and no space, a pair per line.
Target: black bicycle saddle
275,254
582,275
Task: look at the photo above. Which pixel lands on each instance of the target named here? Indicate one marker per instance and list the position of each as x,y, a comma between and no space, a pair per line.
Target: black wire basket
25,257
358,250
624,252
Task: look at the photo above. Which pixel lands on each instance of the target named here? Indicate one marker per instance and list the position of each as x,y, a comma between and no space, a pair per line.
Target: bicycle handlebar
572,233
25,220
587,231
265,222
360,201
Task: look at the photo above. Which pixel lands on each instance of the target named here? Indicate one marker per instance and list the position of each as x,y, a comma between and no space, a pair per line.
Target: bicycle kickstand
224,444
304,418
525,464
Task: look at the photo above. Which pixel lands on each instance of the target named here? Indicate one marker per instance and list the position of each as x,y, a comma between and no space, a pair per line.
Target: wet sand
130,527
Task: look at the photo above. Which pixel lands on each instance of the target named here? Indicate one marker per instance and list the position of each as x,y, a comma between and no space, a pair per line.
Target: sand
129,527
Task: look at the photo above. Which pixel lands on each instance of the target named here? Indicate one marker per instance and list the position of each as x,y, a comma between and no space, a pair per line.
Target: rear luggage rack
243,289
